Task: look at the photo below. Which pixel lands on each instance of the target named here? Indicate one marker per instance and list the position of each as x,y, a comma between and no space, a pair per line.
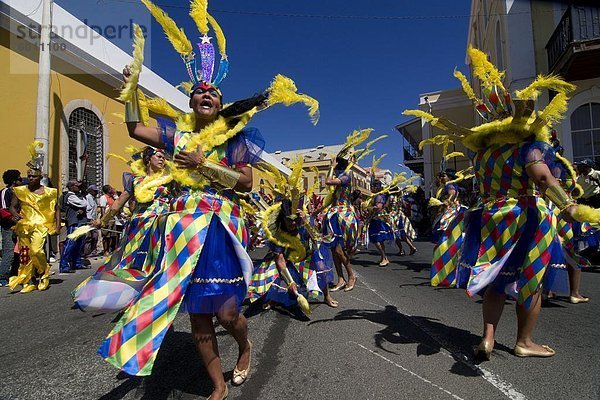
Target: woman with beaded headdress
509,239
202,266
34,209
340,221
119,281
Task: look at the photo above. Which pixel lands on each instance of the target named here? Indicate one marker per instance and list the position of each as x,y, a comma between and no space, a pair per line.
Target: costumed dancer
380,224
403,229
448,232
203,267
509,238
565,174
287,274
119,281
34,208
340,221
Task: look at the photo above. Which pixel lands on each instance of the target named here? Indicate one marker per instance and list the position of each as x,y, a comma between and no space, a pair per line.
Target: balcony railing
579,24
411,148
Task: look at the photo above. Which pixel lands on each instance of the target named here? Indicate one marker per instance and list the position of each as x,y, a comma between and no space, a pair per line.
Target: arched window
585,131
86,147
499,55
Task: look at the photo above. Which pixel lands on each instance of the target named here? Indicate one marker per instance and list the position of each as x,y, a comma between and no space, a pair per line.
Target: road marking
505,387
409,371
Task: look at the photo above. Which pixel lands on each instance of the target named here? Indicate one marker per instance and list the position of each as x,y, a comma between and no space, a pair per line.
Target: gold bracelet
132,108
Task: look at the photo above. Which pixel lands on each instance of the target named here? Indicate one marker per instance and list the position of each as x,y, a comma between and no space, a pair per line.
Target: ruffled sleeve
537,153
275,248
127,180
245,148
167,136
345,178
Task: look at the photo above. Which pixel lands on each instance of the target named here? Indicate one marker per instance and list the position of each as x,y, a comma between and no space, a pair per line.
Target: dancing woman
202,266
509,239
448,233
403,229
380,224
118,282
340,223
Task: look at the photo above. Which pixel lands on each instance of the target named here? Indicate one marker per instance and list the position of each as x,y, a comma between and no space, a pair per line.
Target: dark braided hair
242,106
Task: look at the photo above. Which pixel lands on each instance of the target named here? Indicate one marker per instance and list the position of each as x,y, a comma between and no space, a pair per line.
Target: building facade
526,38
86,119
317,163
452,104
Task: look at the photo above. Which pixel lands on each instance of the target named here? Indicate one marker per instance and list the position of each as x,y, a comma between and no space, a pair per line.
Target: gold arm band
132,108
559,197
227,177
109,215
287,277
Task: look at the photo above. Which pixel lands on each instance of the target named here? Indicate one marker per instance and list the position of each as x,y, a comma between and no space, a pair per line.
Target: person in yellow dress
34,209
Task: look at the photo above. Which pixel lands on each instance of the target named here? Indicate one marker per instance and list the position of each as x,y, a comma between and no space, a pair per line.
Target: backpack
63,207
6,219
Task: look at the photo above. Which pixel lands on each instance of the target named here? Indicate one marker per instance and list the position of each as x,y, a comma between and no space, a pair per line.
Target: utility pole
42,123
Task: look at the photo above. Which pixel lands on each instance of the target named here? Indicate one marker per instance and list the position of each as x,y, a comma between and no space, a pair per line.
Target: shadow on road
177,370
400,329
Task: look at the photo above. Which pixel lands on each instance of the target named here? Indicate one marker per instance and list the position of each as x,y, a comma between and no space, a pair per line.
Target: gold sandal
240,376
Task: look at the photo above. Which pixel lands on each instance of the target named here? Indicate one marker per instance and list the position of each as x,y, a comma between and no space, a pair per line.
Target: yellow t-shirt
38,210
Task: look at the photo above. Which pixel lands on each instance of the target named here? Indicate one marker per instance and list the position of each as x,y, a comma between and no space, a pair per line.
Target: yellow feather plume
585,213
144,191
483,69
454,154
376,162
283,90
550,82
433,202
176,36
136,66
117,156
439,140
33,146
199,13
186,86
160,106
555,110
221,42
144,112
296,167
280,238
80,231
424,115
466,86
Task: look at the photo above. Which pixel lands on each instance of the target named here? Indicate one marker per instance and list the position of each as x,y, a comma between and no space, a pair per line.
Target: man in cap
74,206
589,179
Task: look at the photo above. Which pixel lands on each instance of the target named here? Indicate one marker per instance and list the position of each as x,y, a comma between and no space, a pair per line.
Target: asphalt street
393,337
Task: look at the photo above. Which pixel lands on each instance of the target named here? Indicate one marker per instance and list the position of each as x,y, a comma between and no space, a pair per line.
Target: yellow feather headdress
511,121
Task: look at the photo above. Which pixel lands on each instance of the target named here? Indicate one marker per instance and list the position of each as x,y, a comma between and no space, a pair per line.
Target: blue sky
364,71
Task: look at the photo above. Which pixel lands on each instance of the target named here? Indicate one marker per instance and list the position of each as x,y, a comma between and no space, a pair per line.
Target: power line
325,16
